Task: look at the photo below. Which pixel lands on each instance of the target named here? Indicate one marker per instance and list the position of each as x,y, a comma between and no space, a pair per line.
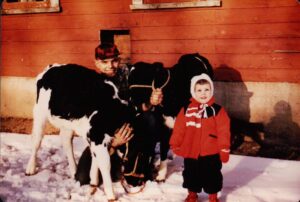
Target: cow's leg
39,119
162,171
164,148
67,138
94,172
102,158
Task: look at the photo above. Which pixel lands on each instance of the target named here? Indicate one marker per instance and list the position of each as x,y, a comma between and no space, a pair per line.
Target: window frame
47,6
140,5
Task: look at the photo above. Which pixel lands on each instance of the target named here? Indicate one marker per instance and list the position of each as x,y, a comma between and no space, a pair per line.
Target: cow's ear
130,66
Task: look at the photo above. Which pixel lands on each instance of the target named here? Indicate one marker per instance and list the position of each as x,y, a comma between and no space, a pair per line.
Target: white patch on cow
116,95
39,118
132,69
94,174
107,139
169,121
66,136
42,104
102,159
81,126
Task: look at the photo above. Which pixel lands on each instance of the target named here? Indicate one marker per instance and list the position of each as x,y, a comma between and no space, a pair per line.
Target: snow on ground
247,179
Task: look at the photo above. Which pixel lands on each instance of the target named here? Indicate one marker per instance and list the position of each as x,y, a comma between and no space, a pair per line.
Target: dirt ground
22,125
248,147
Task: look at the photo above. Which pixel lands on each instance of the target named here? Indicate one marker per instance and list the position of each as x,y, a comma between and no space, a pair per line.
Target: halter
151,86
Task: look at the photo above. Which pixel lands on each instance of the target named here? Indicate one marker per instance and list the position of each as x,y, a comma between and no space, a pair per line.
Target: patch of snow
246,179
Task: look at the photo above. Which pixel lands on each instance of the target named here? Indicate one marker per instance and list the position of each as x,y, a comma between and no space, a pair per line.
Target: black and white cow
77,99
150,127
175,83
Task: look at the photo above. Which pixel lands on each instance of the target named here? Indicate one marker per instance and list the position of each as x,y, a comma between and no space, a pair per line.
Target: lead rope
152,85
132,173
127,191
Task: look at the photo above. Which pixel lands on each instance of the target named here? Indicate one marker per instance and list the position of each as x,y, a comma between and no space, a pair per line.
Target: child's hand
224,155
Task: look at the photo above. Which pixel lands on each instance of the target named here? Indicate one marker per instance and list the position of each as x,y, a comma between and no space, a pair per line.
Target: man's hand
122,136
156,97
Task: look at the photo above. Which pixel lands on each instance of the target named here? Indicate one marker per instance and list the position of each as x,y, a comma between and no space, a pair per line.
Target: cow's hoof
93,189
30,172
160,180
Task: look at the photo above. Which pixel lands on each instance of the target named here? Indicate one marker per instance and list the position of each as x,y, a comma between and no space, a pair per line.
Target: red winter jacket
201,131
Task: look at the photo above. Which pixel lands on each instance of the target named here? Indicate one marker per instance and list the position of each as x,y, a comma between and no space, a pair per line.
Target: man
107,63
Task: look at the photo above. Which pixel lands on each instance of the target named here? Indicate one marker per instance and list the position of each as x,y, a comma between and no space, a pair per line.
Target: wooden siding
258,38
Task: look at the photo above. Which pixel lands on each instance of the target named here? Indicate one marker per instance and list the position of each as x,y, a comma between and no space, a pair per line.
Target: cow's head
143,78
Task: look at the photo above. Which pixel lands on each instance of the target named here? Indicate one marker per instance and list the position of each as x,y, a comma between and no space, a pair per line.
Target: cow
175,84
150,128
79,100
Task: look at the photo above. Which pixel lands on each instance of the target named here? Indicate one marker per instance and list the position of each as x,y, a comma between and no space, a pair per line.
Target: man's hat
106,50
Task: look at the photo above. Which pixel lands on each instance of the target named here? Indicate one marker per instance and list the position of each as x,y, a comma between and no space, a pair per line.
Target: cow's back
75,91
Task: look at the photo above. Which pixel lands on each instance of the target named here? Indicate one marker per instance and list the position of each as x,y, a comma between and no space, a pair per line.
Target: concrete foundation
275,105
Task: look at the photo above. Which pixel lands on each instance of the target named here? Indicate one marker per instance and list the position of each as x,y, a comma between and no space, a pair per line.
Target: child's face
202,93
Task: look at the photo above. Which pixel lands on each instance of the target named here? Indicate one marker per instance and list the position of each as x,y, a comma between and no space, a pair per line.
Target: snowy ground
247,179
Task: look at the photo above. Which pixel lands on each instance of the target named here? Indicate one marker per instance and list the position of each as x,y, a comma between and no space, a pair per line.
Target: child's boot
213,197
192,197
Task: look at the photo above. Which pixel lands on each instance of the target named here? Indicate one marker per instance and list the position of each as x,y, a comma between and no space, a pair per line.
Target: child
201,136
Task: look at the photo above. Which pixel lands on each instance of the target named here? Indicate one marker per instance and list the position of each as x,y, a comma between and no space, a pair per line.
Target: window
161,4
29,6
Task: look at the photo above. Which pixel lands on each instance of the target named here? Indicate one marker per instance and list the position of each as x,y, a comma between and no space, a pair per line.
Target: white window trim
139,5
53,7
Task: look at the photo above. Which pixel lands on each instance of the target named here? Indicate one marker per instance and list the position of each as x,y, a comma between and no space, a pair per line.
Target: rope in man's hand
156,97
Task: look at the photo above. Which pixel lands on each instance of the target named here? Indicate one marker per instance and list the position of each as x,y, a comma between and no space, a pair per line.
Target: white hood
197,78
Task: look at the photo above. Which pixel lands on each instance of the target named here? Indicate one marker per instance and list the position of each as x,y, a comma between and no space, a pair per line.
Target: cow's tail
39,77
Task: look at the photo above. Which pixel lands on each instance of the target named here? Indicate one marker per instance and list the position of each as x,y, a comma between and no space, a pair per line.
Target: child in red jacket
201,136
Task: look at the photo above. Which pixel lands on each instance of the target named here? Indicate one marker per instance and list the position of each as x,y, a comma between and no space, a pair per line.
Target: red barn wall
259,39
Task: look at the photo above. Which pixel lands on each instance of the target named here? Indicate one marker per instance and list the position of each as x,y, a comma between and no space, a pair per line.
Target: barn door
122,39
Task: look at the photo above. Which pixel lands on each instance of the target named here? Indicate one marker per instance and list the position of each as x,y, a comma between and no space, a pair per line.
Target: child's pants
203,173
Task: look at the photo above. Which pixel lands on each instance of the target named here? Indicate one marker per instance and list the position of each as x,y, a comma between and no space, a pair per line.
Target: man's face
108,66
202,93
